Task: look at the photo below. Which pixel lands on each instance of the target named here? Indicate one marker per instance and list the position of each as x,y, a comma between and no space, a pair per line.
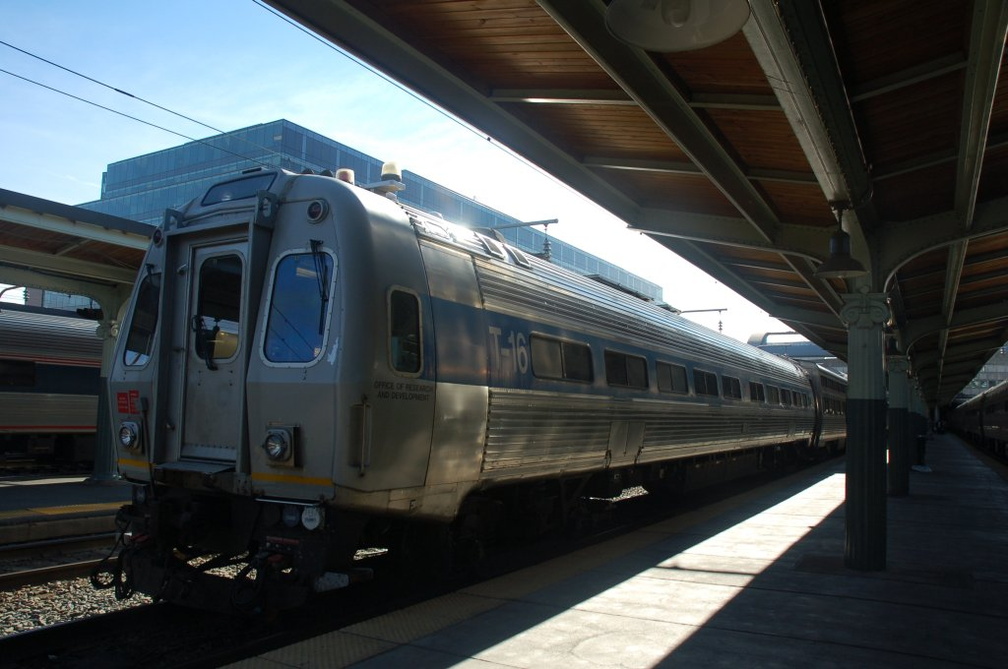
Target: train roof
638,316
44,336
992,394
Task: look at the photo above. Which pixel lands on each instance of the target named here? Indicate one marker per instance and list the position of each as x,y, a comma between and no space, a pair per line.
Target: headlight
291,515
129,435
277,445
311,517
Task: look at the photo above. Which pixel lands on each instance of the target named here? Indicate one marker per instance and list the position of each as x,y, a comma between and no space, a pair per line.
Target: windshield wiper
322,275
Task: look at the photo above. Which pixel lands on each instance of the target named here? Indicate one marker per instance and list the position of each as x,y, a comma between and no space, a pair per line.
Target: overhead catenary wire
208,141
110,86
419,98
116,89
129,116
304,30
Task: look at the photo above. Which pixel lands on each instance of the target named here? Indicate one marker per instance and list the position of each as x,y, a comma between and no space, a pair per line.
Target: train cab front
232,314
227,553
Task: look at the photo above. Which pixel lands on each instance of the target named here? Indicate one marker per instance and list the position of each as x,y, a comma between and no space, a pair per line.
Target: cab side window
404,332
143,326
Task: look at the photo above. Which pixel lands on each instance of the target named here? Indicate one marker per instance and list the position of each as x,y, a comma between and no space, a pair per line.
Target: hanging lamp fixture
840,264
675,25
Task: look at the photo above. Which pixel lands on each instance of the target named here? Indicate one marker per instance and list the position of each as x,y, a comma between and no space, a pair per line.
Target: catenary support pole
104,469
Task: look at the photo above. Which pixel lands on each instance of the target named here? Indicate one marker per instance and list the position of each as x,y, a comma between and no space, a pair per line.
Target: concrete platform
755,581
40,509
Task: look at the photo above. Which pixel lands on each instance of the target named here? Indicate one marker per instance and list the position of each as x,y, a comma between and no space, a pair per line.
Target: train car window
671,378
404,332
295,325
577,362
564,360
547,362
17,373
773,394
732,387
140,337
785,397
756,392
629,371
706,383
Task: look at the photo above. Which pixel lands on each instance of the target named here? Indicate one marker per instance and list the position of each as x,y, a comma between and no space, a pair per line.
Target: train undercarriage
240,555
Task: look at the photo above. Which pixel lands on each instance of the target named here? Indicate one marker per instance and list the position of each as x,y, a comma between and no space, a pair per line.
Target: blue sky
232,63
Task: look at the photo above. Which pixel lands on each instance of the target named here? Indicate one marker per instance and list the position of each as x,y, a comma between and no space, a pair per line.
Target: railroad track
61,557
55,546
25,577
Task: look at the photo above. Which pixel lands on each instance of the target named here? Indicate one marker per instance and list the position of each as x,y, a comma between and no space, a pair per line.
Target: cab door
213,379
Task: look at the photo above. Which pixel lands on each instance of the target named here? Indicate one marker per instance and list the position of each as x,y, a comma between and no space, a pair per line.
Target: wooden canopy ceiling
61,248
737,156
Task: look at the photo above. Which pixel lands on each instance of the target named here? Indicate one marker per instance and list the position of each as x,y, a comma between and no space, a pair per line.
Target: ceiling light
840,264
675,25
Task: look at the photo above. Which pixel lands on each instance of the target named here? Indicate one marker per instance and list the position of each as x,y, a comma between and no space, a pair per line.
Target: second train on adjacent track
983,419
50,366
309,367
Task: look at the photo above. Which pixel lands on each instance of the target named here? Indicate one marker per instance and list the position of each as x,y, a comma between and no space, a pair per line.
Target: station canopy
61,248
740,156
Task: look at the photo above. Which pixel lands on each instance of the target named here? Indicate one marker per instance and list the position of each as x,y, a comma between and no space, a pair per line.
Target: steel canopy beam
987,39
353,31
69,268
637,74
73,228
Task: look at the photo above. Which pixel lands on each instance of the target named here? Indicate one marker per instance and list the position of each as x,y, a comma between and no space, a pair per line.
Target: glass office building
141,188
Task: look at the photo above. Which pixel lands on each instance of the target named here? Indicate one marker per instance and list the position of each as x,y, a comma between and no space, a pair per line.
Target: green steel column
105,469
865,315
900,426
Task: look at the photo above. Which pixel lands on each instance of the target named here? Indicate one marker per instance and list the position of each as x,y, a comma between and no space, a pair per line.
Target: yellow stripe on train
269,477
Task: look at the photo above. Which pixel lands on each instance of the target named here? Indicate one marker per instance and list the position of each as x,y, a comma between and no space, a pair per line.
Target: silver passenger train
983,419
49,377
309,367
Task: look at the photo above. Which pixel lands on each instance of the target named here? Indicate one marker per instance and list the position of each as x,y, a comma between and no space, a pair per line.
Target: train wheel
423,550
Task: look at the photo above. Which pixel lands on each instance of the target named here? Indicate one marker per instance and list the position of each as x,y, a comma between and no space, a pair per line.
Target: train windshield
239,189
140,339
299,307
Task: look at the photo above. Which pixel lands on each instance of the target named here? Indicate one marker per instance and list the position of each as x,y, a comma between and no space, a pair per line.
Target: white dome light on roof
675,25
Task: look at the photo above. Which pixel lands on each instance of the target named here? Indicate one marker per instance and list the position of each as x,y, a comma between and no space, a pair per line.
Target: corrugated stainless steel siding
531,434
536,434
43,413
46,337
